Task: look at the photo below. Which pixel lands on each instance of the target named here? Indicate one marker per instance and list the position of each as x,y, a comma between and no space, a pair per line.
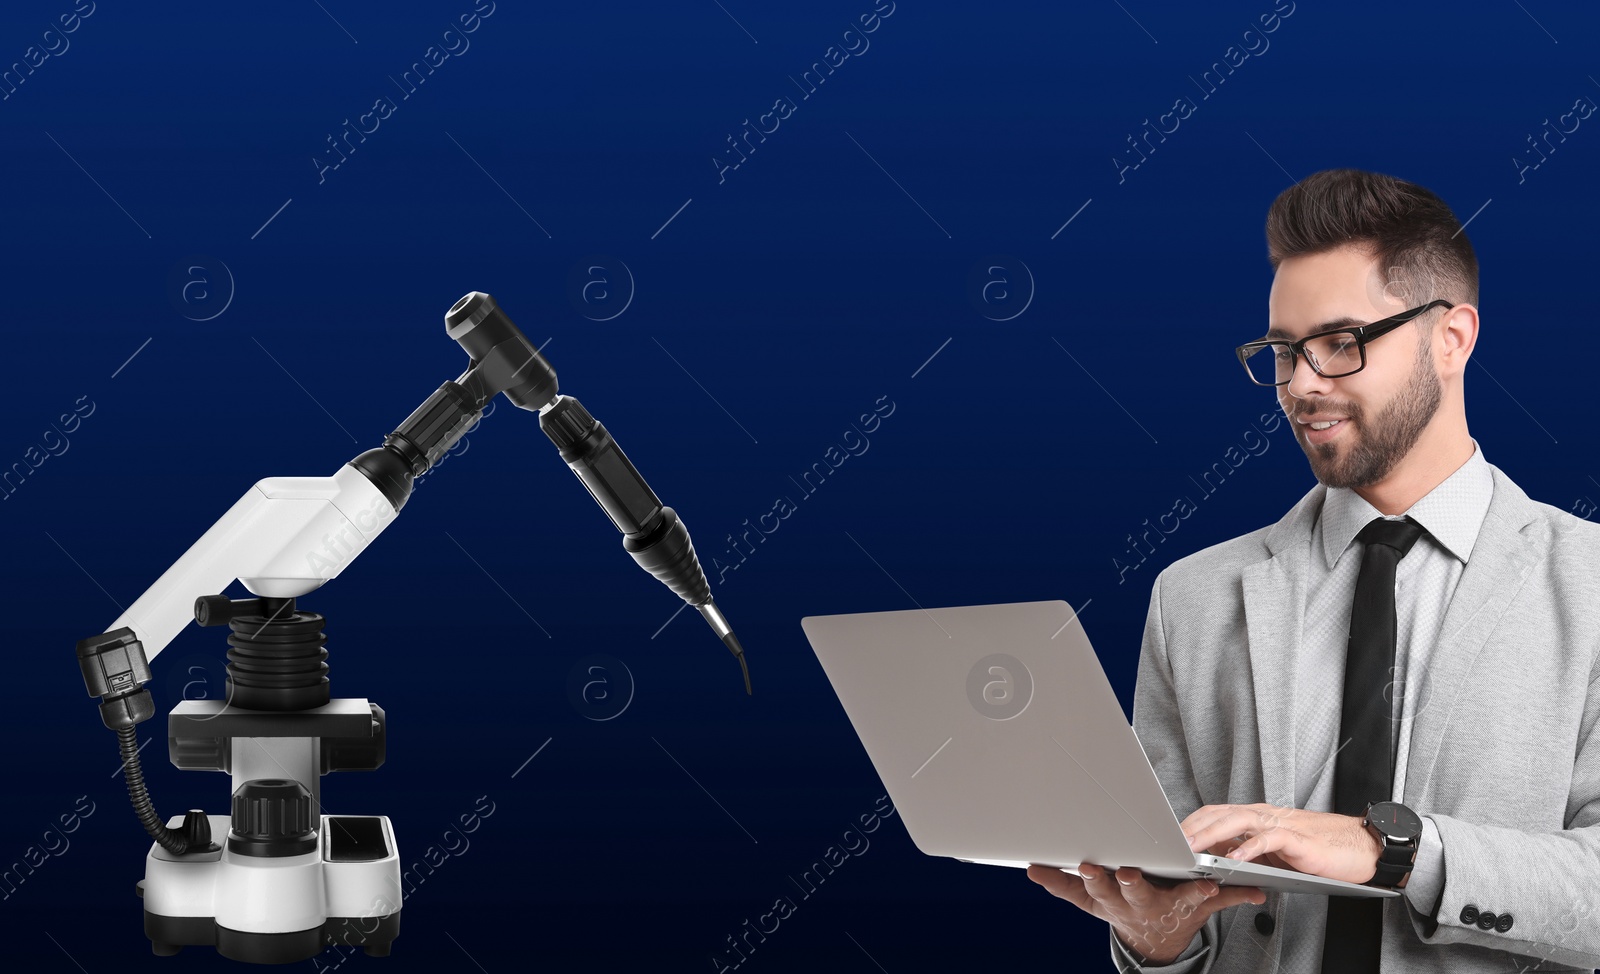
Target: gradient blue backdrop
772,306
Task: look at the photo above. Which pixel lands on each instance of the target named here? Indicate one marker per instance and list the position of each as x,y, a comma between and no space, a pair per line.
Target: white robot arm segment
285,537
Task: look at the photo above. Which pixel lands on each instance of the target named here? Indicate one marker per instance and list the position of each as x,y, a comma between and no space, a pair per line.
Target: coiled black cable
171,840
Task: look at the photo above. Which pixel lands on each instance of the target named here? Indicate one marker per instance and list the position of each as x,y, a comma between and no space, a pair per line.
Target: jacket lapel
1499,564
1274,606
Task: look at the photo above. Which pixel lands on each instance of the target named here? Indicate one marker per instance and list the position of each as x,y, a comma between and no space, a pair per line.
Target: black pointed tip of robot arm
732,642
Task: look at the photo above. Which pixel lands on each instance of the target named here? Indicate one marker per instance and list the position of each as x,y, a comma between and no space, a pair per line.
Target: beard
1371,453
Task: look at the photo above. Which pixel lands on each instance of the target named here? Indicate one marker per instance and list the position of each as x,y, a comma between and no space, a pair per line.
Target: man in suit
1397,683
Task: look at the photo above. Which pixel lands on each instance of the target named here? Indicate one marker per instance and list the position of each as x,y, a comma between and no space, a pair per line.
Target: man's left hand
1319,843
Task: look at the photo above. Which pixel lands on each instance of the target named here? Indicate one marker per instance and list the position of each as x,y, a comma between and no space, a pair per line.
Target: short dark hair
1412,233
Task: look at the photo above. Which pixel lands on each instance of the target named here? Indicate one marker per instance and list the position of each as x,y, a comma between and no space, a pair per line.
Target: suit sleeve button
1504,923
1469,914
1486,920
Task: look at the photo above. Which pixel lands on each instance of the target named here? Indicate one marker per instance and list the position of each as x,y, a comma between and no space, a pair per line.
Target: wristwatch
1399,831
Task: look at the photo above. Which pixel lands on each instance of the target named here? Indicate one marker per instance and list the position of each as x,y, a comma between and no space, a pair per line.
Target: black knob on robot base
196,831
219,610
272,817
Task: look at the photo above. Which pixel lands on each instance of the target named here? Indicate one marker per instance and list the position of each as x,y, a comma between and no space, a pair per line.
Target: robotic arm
288,535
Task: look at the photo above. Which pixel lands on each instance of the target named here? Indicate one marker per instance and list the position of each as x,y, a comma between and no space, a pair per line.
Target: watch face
1395,820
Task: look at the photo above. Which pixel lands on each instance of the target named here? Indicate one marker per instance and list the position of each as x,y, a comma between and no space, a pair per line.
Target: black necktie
1364,769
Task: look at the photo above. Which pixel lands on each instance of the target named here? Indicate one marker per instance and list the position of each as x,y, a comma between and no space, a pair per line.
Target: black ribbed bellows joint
276,658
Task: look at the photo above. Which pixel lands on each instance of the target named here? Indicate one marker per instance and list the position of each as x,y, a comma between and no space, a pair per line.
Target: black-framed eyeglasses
1331,354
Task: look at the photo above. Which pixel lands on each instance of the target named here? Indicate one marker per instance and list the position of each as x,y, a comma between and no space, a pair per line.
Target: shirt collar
1451,513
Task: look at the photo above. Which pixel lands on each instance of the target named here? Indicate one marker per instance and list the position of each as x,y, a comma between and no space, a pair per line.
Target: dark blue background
817,277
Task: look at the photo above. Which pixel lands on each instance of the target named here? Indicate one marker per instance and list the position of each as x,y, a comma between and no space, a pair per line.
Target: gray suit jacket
1504,750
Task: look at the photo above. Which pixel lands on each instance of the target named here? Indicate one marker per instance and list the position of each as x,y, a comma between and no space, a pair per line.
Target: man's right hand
1155,922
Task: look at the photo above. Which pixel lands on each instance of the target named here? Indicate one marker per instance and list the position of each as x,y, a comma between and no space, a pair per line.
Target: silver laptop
1001,742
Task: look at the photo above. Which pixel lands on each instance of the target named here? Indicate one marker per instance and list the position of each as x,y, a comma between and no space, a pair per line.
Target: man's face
1382,410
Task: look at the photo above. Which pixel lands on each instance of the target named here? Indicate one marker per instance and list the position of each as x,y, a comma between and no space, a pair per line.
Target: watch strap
1395,858
1394,862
